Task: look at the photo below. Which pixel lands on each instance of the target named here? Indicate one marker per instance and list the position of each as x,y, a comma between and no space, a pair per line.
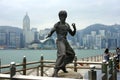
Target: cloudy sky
44,13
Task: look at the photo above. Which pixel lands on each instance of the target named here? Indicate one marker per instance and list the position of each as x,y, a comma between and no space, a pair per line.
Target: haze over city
44,13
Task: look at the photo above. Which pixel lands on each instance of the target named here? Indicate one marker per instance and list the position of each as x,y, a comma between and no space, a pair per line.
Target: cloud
44,13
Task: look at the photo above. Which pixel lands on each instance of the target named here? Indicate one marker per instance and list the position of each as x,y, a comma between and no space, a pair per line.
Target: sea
8,56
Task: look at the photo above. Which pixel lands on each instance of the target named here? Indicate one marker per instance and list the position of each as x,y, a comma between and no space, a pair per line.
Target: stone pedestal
70,74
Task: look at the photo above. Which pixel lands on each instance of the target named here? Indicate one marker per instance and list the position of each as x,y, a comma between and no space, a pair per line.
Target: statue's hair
62,13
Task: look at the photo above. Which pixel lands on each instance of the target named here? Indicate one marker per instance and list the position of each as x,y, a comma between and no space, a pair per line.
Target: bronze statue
65,54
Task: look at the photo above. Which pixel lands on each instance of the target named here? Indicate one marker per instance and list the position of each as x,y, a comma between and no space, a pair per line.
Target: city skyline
44,13
96,36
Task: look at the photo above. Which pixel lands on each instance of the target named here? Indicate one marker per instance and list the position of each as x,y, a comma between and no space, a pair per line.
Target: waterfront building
89,40
102,33
112,43
118,39
93,36
44,33
84,42
11,37
27,33
43,44
48,43
98,41
3,38
103,43
36,34
93,33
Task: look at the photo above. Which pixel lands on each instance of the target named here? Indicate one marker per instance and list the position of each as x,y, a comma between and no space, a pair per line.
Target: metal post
38,71
82,59
104,70
0,65
91,58
114,68
92,73
110,68
24,65
41,65
12,70
95,58
75,64
110,65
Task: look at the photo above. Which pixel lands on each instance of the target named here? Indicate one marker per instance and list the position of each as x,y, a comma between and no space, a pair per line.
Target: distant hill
11,28
96,27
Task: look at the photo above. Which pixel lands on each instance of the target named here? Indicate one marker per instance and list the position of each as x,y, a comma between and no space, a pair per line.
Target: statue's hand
73,24
47,36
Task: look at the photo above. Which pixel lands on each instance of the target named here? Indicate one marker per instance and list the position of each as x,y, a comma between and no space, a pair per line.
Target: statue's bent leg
61,53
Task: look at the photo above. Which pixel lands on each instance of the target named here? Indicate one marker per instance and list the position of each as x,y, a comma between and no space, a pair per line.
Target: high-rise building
28,34
26,23
44,33
93,33
11,37
98,41
36,34
102,33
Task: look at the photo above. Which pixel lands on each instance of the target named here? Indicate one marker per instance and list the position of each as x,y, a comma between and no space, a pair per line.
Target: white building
44,32
28,34
93,33
98,41
36,34
102,33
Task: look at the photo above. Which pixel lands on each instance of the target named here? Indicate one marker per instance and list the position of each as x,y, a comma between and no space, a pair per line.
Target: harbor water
8,56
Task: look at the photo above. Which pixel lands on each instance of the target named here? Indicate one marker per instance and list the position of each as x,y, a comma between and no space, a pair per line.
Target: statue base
70,74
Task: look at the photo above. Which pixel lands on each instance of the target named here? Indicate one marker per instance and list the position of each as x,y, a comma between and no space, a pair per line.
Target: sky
44,13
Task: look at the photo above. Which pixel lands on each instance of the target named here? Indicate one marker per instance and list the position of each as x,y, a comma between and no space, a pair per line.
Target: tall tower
28,35
26,23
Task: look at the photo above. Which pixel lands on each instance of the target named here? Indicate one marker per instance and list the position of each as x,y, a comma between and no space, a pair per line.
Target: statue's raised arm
74,31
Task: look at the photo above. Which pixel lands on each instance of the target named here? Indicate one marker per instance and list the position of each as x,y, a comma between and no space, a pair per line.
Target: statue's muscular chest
62,28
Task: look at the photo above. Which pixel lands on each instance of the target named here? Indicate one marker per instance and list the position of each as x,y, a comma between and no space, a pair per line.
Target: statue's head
62,13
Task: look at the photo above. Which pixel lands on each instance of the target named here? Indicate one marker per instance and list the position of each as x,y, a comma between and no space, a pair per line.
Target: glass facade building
11,37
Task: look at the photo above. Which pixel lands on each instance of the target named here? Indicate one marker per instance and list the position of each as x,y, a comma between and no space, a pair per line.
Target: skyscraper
26,23
28,35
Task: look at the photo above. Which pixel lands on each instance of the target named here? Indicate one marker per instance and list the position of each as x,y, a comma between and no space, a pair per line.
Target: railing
108,68
24,65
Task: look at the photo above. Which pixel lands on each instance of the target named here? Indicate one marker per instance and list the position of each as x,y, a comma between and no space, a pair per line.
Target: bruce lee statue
65,54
